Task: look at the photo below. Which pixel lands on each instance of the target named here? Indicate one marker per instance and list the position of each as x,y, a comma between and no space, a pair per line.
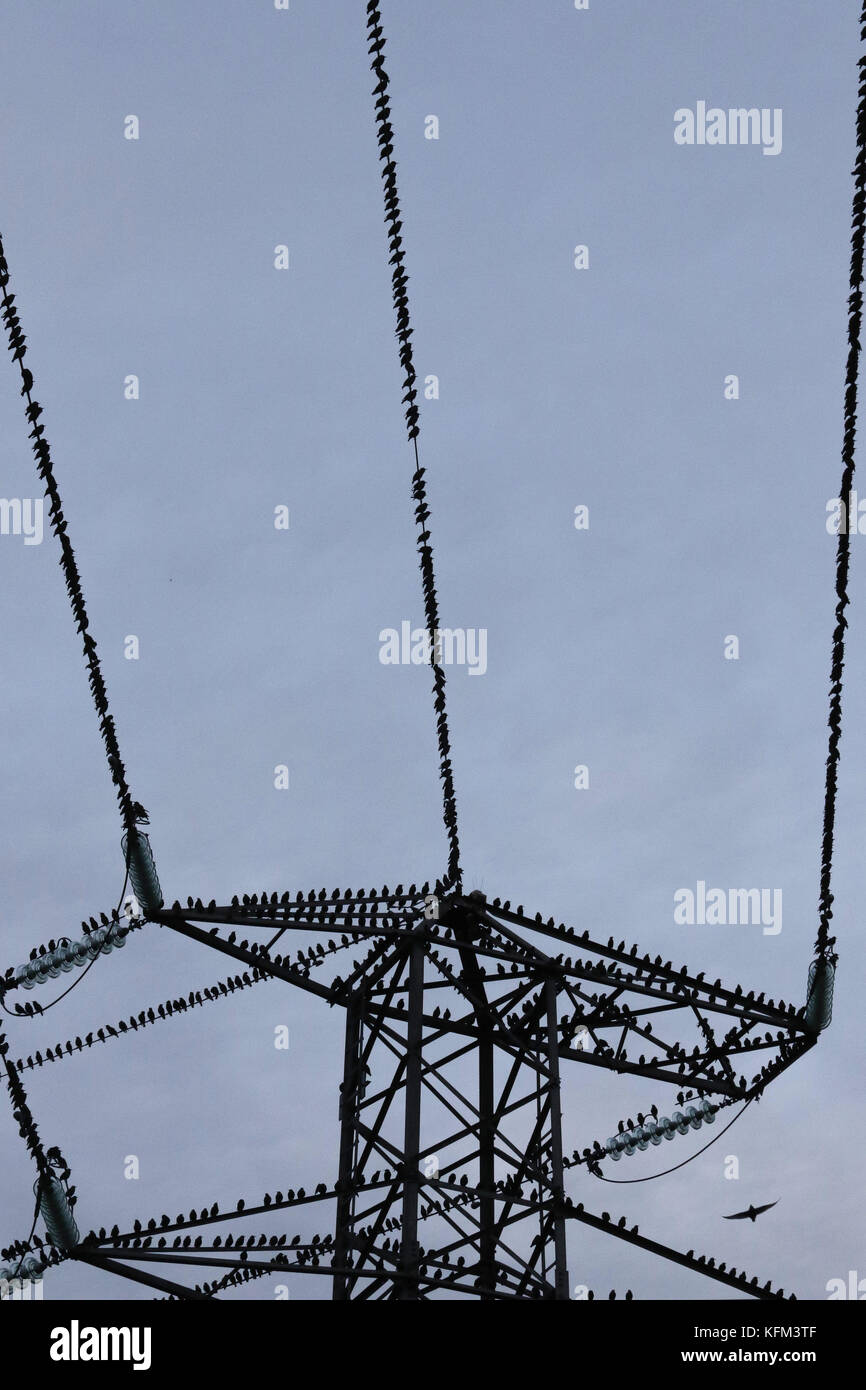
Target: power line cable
399,281
824,943
45,468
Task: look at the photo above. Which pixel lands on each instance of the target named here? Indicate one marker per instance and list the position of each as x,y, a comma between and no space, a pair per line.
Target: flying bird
752,1212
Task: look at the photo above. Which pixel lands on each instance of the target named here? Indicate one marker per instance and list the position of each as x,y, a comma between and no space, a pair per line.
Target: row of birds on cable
21,1112
823,942
224,1243
146,1230
399,278
45,468
431,615
234,1279
222,989
142,1234
278,1257
399,281
313,908
369,897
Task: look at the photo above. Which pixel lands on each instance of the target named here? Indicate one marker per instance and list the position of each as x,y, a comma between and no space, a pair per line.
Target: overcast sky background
258,647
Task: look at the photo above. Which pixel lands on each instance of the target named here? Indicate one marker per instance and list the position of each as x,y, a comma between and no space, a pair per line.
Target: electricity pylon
459,1017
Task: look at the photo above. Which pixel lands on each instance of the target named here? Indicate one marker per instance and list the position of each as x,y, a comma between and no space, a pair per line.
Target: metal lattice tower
460,1015
442,1187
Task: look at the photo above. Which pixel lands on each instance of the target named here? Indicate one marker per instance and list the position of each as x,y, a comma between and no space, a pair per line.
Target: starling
752,1212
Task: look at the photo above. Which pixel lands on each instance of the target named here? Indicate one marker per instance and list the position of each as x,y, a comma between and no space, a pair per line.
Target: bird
139,814
752,1212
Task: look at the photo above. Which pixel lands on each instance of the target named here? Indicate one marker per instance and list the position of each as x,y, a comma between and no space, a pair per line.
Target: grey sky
258,647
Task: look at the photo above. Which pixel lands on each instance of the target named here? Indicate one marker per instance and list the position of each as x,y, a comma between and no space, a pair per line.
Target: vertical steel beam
409,1250
486,1164
561,1284
348,1115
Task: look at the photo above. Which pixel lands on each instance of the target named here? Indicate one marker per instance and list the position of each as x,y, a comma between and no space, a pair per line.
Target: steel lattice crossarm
702,1264
611,995
608,997
160,1243
458,1020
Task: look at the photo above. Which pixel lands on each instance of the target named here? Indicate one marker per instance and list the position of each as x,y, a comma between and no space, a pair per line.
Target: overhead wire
399,281
824,943
45,469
